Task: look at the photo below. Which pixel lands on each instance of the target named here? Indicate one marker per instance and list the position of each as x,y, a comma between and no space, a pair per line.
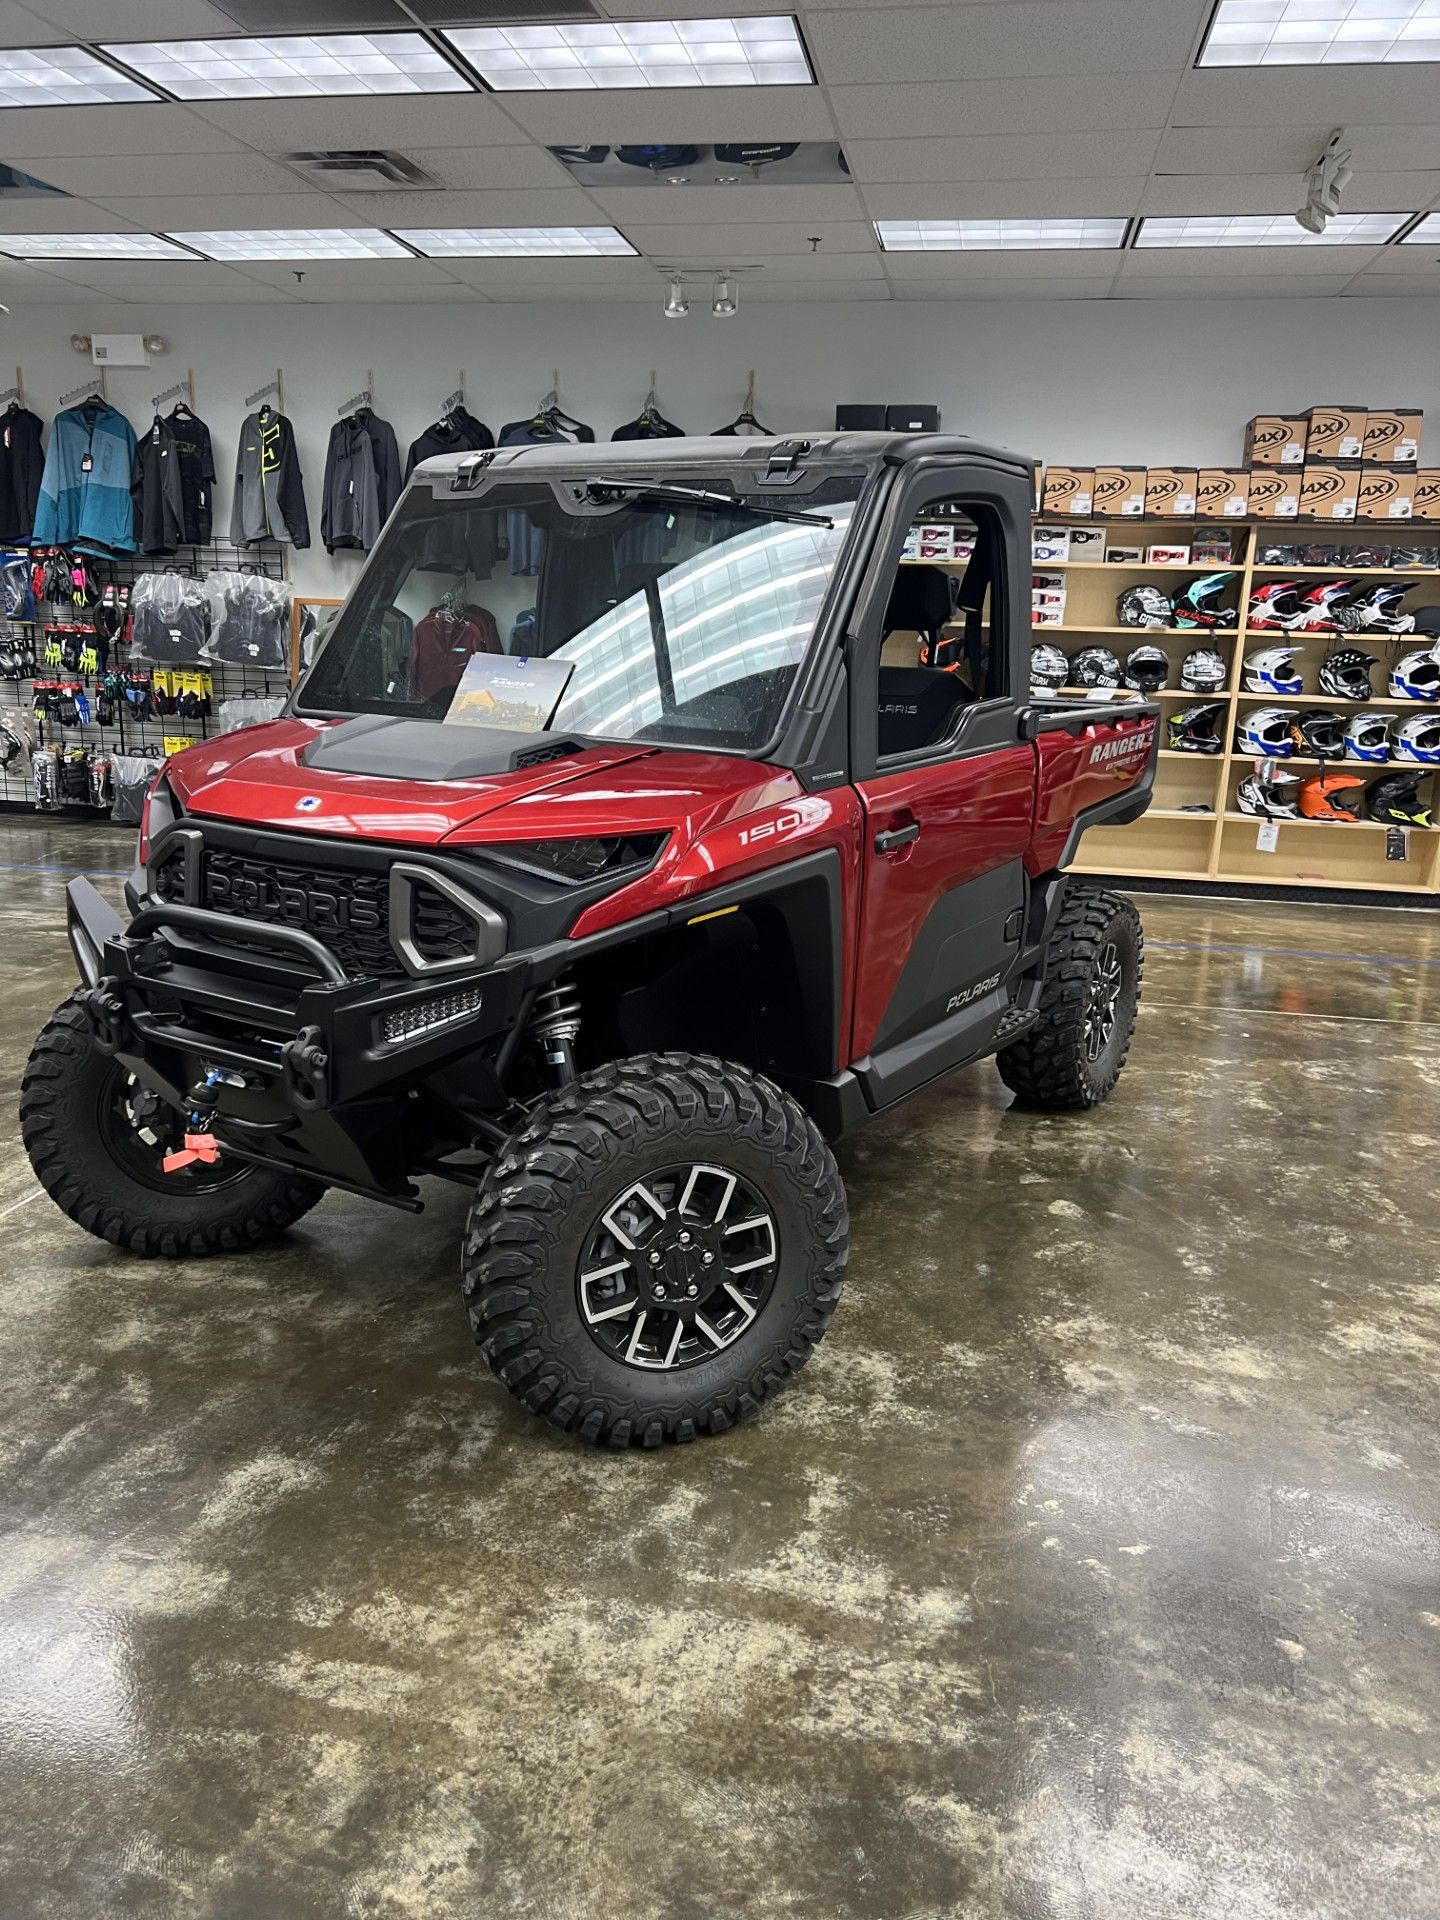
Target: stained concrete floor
1092,1568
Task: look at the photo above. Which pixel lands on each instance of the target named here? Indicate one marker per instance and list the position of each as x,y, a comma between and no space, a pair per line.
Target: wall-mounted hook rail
15,393
182,390
83,392
275,386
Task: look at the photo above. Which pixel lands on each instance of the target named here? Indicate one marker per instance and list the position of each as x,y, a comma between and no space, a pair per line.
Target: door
947,788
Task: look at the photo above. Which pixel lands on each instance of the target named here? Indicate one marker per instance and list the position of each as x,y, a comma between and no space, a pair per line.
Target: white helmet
1367,736
1266,730
1419,739
1270,671
1269,794
1202,671
1415,676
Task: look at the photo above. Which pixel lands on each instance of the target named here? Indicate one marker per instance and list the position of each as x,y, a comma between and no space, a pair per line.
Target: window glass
942,643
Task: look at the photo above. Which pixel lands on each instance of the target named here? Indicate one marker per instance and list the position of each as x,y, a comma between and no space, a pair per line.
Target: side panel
1095,764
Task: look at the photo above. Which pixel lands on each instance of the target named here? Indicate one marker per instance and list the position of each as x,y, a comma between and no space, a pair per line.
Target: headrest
920,600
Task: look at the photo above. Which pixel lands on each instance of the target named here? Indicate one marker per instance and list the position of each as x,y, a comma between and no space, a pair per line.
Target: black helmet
1346,675
1396,801
1143,607
1147,670
1048,667
1319,732
1094,667
1192,730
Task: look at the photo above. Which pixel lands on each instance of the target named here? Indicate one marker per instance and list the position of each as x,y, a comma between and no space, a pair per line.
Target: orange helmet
1332,796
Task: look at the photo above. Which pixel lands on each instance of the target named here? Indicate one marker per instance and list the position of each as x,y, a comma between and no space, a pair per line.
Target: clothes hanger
746,416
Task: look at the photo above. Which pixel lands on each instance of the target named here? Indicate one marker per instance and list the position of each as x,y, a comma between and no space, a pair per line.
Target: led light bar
300,243
996,236
289,65
89,246
515,243
1316,33
765,51
1269,230
410,1023
63,77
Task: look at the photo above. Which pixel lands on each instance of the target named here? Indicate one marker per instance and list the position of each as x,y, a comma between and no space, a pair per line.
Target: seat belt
970,601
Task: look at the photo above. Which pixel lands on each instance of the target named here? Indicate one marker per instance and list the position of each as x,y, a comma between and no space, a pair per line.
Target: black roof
717,450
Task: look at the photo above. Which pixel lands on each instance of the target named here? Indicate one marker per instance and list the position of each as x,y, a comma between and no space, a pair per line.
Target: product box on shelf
1427,494
1047,599
1170,492
1275,492
1126,556
1068,490
1385,493
1167,556
1222,493
1392,437
1329,489
1212,550
1120,492
1335,433
1049,543
1088,543
1275,440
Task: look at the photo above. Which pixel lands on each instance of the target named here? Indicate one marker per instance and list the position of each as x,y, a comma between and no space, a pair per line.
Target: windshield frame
569,486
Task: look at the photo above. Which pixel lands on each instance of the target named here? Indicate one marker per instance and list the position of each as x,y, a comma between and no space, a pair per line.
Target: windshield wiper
606,489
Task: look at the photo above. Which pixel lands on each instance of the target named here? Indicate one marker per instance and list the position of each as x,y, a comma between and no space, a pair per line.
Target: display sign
519,694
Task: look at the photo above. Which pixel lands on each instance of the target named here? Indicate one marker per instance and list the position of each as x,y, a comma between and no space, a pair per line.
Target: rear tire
1072,1056
77,1123
583,1298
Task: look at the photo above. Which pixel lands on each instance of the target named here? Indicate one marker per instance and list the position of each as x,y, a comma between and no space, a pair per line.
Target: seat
918,704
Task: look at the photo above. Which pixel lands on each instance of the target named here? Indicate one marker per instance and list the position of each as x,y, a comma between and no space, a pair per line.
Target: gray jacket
269,501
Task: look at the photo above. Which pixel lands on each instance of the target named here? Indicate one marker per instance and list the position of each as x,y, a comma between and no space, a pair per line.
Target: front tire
96,1141
1072,1056
657,1251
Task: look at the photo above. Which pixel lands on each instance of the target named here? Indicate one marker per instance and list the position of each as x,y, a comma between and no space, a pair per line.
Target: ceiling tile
707,206
1080,288
1093,103
1398,263
814,291
1265,149
119,176
673,113
368,274
1317,97
292,126
1014,39
664,241
1022,156
1164,287
64,216
1279,193
1084,263
19,27
29,135
1256,266
442,294
135,19
1005,199
213,212
843,268
168,277
546,276
1390,285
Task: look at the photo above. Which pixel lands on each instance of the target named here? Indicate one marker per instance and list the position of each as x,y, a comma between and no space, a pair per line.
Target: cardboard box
1126,556
1275,492
1120,492
1212,550
1049,543
1168,557
1088,543
1222,493
1335,433
1170,492
1427,494
1385,493
1329,489
1275,440
1392,437
1068,490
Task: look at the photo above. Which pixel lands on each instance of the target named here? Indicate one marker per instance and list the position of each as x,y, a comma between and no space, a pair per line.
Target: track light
1325,182
677,301
726,301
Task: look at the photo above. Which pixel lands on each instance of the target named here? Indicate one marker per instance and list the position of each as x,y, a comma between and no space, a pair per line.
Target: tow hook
200,1145
307,1069
105,1010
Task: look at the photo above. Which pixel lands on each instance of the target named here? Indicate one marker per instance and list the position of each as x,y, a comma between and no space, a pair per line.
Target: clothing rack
358,401
15,393
275,386
182,390
83,392
454,399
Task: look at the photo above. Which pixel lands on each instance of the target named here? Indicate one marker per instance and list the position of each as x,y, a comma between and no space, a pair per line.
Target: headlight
576,861
160,810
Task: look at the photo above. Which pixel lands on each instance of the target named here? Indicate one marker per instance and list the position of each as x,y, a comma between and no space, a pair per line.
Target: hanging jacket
389,480
442,643
350,504
85,489
523,538
458,432
197,474
269,501
652,426
156,490
21,465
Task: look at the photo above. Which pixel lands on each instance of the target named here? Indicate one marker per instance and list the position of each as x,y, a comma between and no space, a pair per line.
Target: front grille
348,912
438,927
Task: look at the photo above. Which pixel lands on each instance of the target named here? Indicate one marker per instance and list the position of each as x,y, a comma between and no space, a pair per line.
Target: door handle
897,837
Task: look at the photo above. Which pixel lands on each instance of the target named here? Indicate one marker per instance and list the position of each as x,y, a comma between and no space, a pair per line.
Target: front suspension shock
555,1023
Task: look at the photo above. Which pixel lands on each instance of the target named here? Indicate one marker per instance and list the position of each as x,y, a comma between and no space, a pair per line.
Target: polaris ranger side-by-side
644,824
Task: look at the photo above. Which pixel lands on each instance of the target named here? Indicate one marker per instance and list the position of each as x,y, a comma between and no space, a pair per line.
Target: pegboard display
117,659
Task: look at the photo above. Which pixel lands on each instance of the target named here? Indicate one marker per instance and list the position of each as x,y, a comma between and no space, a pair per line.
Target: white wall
1135,380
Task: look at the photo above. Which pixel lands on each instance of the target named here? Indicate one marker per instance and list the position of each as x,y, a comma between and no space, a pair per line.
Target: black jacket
389,479
460,432
197,474
21,465
350,498
156,490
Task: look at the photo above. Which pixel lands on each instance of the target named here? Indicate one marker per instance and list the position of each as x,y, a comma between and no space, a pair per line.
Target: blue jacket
91,511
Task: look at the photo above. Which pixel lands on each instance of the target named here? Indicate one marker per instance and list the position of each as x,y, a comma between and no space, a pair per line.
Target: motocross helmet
1377,611
1147,670
1367,736
1202,671
1265,730
1318,612
1048,667
1415,676
1199,605
1192,730
1094,667
1143,607
1269,794
1346,675
1396,801
1318,732
1427,621
1332,796
1274,606
1419,739
1271,671
657,159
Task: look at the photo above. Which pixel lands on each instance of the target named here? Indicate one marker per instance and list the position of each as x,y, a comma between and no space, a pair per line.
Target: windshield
667,620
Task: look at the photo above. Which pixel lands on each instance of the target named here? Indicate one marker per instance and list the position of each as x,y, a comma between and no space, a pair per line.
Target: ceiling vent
360,170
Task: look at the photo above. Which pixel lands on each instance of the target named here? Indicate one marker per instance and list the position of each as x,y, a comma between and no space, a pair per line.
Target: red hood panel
256,779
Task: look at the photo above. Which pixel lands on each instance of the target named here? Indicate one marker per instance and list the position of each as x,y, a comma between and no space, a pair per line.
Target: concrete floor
1092,1568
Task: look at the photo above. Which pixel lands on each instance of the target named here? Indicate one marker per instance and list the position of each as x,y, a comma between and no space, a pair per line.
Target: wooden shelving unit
1221,845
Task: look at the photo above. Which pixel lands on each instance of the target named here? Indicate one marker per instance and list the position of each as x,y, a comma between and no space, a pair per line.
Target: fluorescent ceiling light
1314,33
300,243
760,52
62,77
89,246
514,243
1428,231
996,236
1270,229
294,65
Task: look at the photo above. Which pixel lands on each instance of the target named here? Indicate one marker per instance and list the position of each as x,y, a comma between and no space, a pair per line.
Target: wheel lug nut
655,1258
691,1292
706,1259
684,1239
